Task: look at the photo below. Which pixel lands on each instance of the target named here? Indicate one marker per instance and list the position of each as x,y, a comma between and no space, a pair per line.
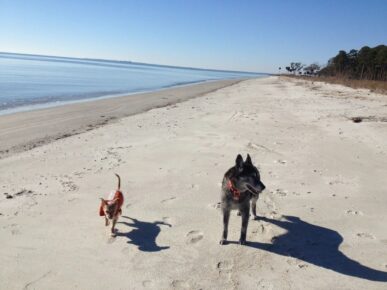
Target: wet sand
25,130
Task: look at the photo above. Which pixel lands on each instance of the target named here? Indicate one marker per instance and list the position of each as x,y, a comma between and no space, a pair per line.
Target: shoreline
25,130
49,105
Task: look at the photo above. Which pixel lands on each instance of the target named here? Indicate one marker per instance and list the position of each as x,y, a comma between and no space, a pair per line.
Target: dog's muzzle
256,191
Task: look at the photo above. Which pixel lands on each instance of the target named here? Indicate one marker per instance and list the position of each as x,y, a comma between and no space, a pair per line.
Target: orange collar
236,194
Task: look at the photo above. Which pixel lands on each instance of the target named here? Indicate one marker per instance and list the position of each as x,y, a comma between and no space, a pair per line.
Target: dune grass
373,86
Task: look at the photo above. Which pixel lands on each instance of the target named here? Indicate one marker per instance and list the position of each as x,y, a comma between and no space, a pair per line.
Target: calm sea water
28,81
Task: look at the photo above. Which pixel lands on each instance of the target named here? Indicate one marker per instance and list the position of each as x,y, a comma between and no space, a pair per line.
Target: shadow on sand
143,234
316,245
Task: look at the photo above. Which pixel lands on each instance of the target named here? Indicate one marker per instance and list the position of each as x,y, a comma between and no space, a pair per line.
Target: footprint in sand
281,192
225,268
67,184
194,236
147,283
259,230
15,231
168,199
215,205
254,146
302,266
168,220
126,250
31,284
72,199
180,284
365,235
111,240
354,212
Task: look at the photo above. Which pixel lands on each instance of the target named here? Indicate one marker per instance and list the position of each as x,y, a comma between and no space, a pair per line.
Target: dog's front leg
254,206
113,231
245,221
106,221
226,218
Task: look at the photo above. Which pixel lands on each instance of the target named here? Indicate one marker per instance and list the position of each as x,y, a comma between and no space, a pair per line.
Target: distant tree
381,60
364,59
296,66
341,61
312,69
366,63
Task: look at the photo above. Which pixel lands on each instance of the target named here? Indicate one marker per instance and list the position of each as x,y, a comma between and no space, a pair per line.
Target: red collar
236,194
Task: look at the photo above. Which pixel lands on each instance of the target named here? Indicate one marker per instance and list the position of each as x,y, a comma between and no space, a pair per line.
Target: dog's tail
119,181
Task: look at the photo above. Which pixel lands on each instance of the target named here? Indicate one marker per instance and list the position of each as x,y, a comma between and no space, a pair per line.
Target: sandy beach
323,212
26,130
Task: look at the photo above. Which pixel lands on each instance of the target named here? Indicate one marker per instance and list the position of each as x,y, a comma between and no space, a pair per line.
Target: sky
243,35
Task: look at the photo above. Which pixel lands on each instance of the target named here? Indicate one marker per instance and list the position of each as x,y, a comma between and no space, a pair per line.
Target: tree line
366,63
296,67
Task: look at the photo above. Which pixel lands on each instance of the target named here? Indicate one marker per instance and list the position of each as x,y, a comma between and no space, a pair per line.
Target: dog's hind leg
245,221
226,218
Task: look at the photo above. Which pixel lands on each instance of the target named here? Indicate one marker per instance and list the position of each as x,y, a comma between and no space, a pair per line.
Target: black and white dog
241,184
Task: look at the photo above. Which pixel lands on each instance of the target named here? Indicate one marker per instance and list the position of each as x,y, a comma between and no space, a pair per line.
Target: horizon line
134,62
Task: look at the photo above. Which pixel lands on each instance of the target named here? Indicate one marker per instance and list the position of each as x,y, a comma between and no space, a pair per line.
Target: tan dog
111,208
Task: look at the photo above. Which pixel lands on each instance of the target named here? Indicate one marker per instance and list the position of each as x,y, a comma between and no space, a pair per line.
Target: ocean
30,81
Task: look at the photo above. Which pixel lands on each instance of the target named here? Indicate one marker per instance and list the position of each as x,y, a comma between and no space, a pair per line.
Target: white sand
324,171
26,130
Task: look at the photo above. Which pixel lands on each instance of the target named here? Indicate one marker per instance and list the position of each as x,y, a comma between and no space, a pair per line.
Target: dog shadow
316,245
143,234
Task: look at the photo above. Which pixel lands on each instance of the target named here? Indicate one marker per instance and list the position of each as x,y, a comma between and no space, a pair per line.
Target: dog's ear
248,160
239,163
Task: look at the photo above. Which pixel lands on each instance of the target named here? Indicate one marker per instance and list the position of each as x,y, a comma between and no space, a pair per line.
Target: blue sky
235,35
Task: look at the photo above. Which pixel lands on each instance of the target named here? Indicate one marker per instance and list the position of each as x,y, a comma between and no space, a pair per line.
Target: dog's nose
263,186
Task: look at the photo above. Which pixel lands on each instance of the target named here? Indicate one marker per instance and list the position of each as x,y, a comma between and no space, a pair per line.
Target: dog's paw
242,242
113,233
223,242
256,218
